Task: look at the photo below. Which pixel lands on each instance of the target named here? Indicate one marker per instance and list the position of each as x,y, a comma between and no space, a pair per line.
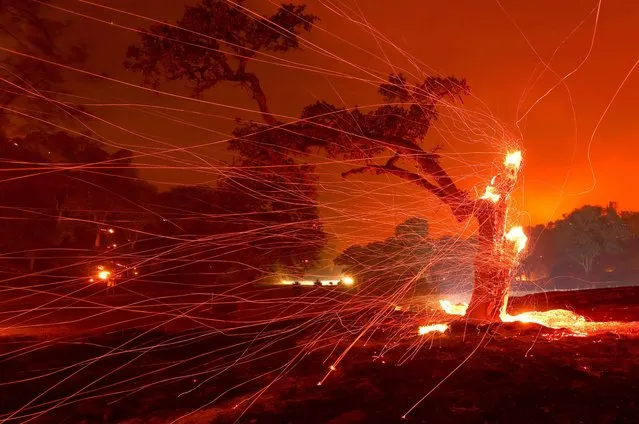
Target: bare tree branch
461,208
253,84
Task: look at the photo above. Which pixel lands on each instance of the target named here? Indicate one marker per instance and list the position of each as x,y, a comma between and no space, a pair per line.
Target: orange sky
490,46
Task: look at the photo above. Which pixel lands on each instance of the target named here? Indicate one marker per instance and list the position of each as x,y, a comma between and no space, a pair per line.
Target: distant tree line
66,203
411,259
61,194
594,243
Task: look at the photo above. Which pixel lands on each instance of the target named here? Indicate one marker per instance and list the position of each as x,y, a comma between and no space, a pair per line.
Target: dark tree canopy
206,54
592,242
214,42
235,227
58,191
395,130
387,139
62,192
27,83
588,232
270,196
541,254
387,265
412,228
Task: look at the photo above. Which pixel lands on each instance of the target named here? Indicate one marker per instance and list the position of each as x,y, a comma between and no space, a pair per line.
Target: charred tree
206,54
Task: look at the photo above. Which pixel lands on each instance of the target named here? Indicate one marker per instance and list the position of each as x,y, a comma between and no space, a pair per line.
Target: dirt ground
508,373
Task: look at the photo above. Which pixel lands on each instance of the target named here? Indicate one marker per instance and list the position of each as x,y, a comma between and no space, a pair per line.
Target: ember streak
237,211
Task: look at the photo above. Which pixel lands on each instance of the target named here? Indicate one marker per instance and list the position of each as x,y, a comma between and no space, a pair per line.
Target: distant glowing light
111,231
348,281
439,328
491,194
517,236
104,275
513,160
453,309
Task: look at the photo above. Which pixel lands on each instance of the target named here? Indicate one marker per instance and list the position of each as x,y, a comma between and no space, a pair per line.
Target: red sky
497,46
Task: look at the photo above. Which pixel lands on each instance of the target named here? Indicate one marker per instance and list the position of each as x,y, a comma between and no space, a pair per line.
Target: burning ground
488,374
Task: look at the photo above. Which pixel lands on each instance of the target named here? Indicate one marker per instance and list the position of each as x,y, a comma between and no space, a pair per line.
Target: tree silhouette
542,255
198,51
233,230
214,42
399,261
27,83
60,191
588,232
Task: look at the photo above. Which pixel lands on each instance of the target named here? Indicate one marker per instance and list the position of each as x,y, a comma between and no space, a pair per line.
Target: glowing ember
513,160
517,236
555,318
453,309
425,329
491,194
103,275
348,280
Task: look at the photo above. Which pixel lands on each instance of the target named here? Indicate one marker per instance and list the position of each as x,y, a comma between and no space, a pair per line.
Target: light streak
225,297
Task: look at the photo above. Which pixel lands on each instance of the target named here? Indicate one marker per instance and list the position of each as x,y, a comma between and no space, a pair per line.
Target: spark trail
166,230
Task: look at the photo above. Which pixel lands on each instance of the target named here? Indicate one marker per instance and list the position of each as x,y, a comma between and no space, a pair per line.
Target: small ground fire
230,211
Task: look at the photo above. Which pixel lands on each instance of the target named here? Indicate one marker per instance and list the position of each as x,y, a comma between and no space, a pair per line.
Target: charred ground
515,372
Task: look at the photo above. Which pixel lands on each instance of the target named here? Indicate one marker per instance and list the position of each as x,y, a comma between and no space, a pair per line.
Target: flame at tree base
453,308
433,328
554,318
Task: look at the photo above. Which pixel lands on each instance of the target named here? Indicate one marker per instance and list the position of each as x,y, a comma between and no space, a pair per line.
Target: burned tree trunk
494,260
492,268
489,292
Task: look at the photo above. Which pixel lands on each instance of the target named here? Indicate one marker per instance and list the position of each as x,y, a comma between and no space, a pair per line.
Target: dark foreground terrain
510,373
